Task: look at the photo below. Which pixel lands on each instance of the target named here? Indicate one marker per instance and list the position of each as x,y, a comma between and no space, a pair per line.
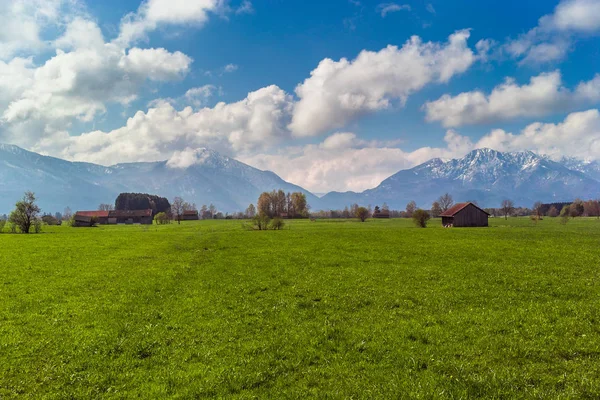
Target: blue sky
310,91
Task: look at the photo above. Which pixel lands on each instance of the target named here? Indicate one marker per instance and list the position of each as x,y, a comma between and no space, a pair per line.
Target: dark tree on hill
507,208
446,201
25,214
142,201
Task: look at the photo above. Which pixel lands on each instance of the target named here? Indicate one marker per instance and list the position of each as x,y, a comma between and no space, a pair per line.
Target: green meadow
325,309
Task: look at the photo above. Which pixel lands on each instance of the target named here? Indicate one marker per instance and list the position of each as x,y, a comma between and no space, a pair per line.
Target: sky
334,95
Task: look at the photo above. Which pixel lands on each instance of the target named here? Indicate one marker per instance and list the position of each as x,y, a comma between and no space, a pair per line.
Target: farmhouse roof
455,209
190,212
97,214
130,213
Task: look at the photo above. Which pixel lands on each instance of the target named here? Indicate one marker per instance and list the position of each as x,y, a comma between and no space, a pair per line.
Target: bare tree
538,208
507,208
177,208
67,214
553,212
410,208
212,209
106,207
436,209
25,214
446,201
251,211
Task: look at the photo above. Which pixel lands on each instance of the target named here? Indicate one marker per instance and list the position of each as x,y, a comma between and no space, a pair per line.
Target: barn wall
471,216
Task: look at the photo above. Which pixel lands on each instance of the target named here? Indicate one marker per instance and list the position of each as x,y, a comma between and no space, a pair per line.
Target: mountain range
484,175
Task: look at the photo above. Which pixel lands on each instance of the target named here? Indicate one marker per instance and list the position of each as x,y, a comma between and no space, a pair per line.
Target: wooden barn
464,215
381,214
190,215
100,216
130,217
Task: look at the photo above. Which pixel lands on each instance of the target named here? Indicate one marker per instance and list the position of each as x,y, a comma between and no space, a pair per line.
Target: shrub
2,224
261,222
420,218
162,219
49,220
565,213
362,213
277,224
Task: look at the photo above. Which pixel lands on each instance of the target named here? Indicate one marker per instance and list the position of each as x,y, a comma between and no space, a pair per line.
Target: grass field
326,309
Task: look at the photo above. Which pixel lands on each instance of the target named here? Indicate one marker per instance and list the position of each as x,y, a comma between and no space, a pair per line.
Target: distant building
84,218
381,214
80,221
191,215
101,216
464,215
143,217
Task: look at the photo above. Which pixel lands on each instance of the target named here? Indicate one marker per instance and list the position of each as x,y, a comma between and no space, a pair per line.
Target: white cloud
577,136
258,121
385,8
80,83
337,92
153,13
198,96
574,15
24,23
80,33
553,37
429,7
543,95
230,68
344,162
186,158
245,8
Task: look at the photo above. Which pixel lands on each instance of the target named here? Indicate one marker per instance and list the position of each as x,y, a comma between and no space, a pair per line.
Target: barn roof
455,209
190,212
97,214
130,213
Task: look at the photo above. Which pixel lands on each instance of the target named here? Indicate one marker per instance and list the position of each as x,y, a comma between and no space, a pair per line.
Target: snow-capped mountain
484,175
223,181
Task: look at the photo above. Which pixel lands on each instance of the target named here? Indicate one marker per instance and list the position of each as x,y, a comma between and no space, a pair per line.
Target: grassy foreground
326,309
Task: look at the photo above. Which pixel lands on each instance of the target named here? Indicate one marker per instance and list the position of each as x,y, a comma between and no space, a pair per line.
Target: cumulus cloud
230,68
553,37
385,8
186,158
344,162
543,95
153,13
337,92
24,23
79,83
198,96
258,121
577,136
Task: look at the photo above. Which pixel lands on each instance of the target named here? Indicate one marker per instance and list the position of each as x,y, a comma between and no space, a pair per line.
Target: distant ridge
227,183
483,175
486,176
